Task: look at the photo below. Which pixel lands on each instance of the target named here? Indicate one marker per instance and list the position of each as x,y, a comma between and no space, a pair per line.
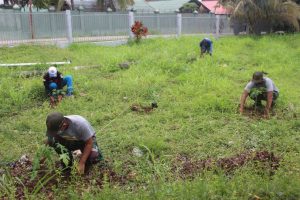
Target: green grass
196,115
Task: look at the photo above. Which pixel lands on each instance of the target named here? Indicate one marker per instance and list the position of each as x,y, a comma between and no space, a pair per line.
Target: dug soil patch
18,176
186,167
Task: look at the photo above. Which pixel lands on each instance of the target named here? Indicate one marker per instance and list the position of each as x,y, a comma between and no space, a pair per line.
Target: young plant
44,155
64,156
255,92
139,30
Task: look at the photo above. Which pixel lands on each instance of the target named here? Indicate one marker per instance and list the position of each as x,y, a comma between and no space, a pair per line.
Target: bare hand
59,98
52,101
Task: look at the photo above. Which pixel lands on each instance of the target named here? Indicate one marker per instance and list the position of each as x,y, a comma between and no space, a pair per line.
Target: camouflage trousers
258,97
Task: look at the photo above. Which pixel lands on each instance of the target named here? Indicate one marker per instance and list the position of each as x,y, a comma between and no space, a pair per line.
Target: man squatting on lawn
260,88
206,46
74,133
54,82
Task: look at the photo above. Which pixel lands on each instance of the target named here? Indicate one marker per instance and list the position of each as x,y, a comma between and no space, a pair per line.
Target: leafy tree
188,7
104,4
44,4
272,12
41,4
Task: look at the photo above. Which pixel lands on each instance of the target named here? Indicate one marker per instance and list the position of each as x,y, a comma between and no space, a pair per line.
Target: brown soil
140,108
188,168
101,173
258,112
21,176
254,112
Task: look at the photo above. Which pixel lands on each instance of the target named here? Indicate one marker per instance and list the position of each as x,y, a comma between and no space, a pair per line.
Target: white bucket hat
52,71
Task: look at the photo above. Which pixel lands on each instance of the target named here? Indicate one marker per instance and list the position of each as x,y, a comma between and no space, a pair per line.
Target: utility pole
72,4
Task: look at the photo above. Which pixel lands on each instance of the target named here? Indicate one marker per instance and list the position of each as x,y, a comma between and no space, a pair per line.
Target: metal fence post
217,26
82,18
178,24
69,26
157,17
131,22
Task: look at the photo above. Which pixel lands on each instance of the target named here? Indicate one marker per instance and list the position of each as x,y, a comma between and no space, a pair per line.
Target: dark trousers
70,146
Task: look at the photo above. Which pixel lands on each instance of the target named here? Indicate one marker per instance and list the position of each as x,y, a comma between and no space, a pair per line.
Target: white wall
1,1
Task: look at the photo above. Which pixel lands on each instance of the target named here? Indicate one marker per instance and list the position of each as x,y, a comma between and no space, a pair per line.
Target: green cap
257,77
53,122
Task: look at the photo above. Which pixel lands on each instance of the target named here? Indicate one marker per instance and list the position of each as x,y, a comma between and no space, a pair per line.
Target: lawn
195,145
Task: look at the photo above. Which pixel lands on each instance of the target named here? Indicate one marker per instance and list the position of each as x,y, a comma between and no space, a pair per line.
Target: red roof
214,7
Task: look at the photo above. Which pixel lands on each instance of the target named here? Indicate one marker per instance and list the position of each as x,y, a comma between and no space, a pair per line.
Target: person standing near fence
206,46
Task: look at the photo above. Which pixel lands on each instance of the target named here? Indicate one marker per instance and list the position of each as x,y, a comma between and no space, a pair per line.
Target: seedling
256,92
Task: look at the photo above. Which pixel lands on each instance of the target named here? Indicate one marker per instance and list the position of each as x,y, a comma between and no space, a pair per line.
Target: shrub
139,30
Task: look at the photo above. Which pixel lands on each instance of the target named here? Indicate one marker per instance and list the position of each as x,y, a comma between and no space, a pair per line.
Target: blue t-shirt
206,43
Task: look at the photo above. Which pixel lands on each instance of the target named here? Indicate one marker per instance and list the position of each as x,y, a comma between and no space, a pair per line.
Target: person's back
79,129
260,88
205,46
73,132
267,83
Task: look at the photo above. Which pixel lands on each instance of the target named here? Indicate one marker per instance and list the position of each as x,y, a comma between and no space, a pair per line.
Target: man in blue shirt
206,46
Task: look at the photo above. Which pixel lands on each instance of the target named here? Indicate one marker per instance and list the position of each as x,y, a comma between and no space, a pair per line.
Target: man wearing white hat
54,80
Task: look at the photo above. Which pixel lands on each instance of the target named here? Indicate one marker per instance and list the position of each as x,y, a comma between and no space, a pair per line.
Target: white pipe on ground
30,64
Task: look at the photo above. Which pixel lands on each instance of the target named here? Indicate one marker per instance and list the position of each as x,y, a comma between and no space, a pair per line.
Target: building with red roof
212,6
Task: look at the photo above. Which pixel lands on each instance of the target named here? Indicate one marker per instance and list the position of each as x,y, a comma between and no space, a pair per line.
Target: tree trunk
72,4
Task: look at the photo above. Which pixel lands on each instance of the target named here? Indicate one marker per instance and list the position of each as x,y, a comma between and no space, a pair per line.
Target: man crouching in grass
74,133
206,46
260,88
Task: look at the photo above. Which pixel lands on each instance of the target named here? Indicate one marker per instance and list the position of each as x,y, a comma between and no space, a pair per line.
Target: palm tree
60,4
40,4
270,13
